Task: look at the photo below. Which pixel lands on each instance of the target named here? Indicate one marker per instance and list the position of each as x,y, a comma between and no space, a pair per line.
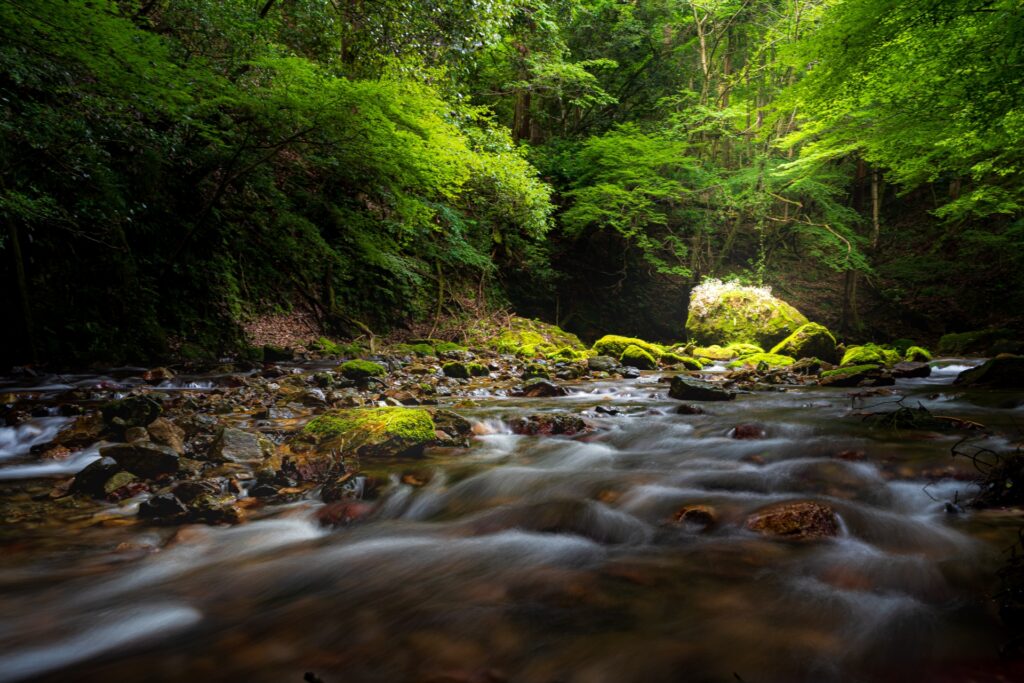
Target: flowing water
549,559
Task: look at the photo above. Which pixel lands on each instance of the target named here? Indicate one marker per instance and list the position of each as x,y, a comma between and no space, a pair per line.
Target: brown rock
797,521
165,432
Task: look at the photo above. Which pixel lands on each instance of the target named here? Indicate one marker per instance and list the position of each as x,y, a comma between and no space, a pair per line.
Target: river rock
134,411
163,507
371,432
809,341
686,388
797,521
238,445
143,458
158,375
549,423
602,364
542,388
910,369
856,376
165,432
1001,372
747,430
703,516
91,480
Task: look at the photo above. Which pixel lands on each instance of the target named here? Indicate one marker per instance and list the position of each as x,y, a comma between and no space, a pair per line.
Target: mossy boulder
868,354
456,370
809,341
974,342
722,313
361,369
715,352
478,370
917,354
614,345
374,432
771,360
635,357
522,337
855,375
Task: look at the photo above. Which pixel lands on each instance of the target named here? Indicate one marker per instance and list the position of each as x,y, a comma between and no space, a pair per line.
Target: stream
545,559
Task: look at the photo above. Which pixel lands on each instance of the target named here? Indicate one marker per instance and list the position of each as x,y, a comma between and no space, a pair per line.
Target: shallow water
545,559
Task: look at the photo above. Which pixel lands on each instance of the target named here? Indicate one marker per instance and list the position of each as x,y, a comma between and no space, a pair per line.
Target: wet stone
165,432
91,480
550,423
748,431
542,388
910,370
240,446
134,411
795,521
702,516
686,388
163,506
143,458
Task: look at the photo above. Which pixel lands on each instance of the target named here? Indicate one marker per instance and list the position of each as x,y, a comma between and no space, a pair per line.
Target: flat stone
143,458
796,521
690,389
238,445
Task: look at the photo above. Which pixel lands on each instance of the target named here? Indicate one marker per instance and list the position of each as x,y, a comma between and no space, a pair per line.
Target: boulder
855,376
542,388
907,370
602,364
1001,372
455,369
143,458
795,521
614,345
769,360
373,432
686,388
91,480
917,354
361,369
636,357
165,432
238,445
722,313
549,423
133,411
870,354
809,341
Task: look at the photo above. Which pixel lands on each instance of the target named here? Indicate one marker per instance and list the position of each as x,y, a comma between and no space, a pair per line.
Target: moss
535,371
636,357
869,353
420,349
477,370
457,370
741,349
614,346
849,371
715,352
361,369
512,335
809,341
570,355
772,360
901,345
366,424
976,341
676,359
741,314
917,354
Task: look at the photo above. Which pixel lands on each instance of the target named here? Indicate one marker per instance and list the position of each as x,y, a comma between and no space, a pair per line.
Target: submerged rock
686,388
721,313
795,521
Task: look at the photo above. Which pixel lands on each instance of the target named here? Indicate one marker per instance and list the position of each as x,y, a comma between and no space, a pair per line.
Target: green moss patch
870,353
772,360
917,354
723,313
361,369
809,341
614,345
636,357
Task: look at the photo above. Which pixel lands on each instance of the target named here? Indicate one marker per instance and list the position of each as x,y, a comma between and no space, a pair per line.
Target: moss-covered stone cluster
728,313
